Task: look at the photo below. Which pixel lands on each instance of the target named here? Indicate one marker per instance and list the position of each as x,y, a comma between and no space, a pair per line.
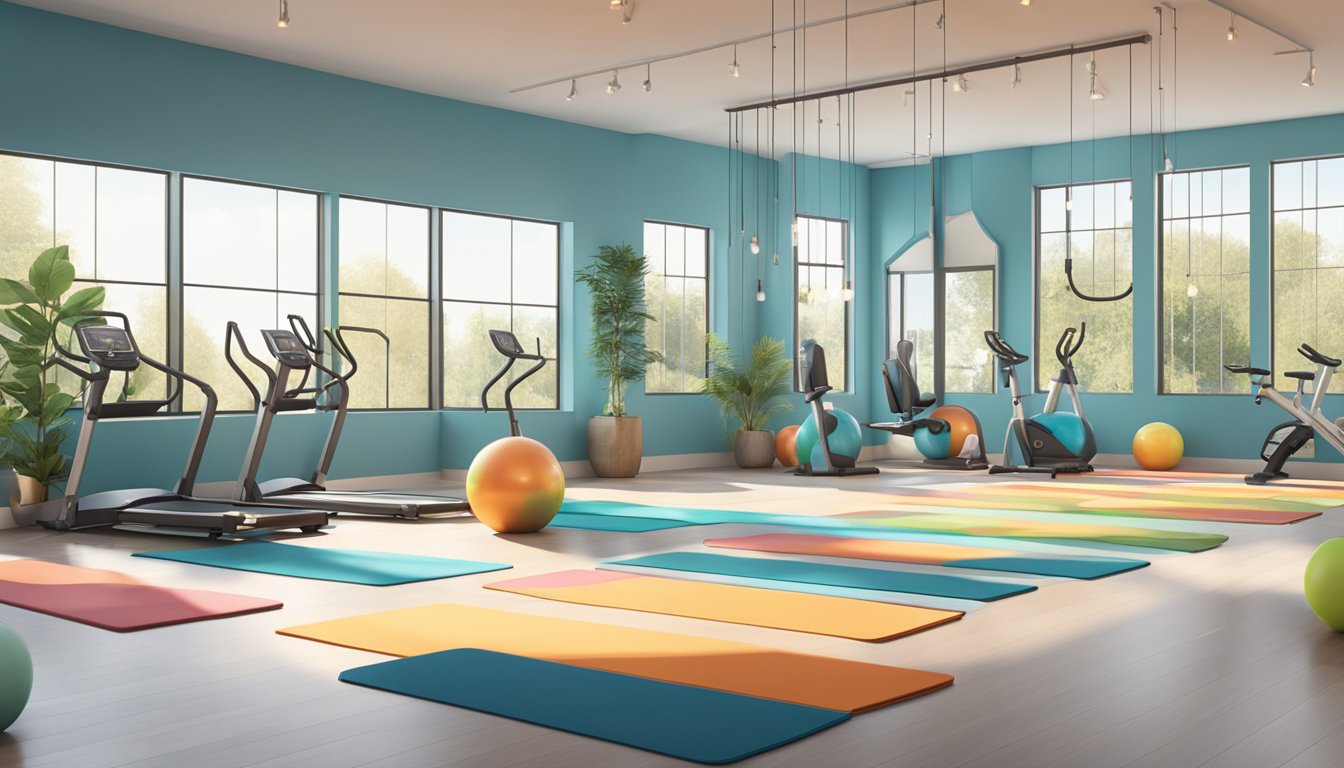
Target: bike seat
1301,375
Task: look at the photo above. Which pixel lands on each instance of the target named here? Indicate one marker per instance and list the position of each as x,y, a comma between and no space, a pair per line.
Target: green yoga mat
956,524
681,721
820,574
353,566
614,523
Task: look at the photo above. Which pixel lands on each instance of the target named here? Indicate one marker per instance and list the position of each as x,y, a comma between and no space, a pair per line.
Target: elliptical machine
1287,438
1052,441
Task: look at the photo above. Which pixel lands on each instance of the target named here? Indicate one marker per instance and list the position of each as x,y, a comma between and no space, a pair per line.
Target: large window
910,316
1205,257
498,273
1097,235
115,221
1308,259
821,310
968,306
249,254
677,291
384,284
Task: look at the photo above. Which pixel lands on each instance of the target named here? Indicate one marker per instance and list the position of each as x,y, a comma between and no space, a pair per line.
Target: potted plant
616,281
33,422
752,395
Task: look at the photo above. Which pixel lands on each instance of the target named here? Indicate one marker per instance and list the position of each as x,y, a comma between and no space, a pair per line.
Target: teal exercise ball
1324,583
845,439
16,676
1067,428
934,446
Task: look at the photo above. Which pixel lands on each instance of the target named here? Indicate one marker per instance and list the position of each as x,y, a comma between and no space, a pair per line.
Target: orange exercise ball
963,423
1158,446
515,485
786,446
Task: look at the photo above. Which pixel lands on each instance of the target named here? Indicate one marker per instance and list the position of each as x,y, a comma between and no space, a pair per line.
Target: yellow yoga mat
752,670
796,611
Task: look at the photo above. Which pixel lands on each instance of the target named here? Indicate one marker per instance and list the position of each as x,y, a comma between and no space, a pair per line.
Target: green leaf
81,301
56,405
20,354
38,328
52,274
15,292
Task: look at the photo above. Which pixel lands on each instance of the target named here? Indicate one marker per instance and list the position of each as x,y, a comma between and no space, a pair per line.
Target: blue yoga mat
1072,567
681,721
612,523
353,566
803,572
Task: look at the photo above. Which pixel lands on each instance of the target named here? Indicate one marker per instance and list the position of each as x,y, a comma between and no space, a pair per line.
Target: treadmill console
287,348
507,343
110,347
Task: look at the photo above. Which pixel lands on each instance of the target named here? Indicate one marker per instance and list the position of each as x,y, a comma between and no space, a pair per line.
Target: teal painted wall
999,187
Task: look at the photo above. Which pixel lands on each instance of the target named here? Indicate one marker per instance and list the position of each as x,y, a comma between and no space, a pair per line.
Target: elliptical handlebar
508,345
1070,341
1309,352
1003,350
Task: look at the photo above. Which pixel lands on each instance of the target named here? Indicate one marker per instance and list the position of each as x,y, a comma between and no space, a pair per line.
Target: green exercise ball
16,676
1325,583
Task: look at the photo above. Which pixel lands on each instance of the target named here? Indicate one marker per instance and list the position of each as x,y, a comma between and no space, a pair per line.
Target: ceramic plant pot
615,445
30,491
754,449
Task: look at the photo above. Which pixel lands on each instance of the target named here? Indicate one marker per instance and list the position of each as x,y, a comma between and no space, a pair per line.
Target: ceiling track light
1310,79
648,78
626,7
961,84
1093,92
1024,2
282,21
573,90
1232,27
615,84
1015,76
735,69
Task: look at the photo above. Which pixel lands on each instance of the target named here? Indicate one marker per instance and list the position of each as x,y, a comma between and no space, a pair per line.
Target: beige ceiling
479,51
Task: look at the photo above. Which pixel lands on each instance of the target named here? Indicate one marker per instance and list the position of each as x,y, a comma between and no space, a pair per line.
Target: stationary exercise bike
1287,438
830,439
1052,441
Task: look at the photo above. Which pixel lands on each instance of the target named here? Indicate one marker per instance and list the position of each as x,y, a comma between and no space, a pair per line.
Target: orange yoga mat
112,600
752,670
796,611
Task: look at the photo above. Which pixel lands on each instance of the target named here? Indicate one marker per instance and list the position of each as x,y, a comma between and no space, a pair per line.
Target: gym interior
911,384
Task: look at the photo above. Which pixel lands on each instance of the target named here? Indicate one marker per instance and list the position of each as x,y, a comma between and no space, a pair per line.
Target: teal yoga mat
353,566
802,572
681,721
612,523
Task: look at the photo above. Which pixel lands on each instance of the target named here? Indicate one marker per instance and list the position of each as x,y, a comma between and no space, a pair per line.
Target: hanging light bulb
648,78
1024,2
1232,27
755,245
1015,77
776,258
1167,165
1192,290
760,290
847,293
283,20
735,69
961,84
1094,93
615,84
1310,79
573,90
1068,199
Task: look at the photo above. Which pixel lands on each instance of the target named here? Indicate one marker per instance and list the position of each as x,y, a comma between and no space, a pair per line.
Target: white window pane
1213,192
228,234
1051,203
1330,237
1309,184
1083,201
74,215
406,324
676,250
835,242
407,251
1287,186
1124,204
469,359
363,247
476,257
535,262
536,324
132,226
1330,174
1104,206
653,248
297,240
918,308
1237,190
969,301
894,310
697,251
1180,195
26,197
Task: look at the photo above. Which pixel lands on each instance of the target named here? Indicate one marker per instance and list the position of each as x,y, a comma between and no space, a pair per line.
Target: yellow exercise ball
1158,446
515,485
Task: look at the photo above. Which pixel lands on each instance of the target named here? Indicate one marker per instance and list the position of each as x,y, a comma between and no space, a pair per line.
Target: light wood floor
1210,659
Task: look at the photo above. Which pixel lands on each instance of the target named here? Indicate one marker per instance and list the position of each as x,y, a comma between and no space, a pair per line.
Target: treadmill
294,353
108,349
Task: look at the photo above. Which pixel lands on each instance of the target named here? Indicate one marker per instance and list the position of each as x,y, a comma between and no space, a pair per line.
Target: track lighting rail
1057,53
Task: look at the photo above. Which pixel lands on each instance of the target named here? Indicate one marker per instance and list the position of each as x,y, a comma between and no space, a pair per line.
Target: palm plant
616,281
752,395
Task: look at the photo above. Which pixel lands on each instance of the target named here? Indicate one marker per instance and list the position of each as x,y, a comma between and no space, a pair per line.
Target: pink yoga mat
113,600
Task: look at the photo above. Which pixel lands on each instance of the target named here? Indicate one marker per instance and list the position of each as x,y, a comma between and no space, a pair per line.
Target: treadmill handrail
338,341
231,332
86,318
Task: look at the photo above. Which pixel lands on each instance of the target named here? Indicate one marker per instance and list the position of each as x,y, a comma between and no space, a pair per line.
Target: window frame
993,271
709,303
432,315
438,310
1160,264
1273,211
171,332
182,284
798,266
1037,361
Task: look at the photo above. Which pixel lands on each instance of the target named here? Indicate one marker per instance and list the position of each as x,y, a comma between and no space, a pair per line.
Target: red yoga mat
112,600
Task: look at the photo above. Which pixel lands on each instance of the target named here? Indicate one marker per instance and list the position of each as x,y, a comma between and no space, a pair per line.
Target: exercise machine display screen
105,339
287,348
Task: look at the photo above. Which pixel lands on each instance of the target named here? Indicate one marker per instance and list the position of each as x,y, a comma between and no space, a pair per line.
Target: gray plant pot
615,445
754,449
